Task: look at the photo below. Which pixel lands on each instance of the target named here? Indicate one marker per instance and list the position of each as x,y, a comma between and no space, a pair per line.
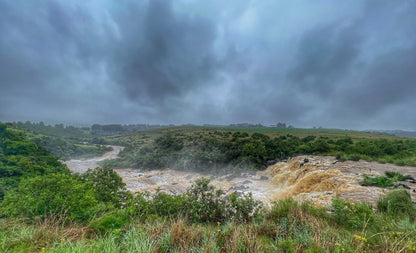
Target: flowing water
82,165
313,178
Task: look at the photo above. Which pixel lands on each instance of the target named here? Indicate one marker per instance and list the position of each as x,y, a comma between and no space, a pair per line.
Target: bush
167,205
108,185
204,203
396,176
378,181
355,158
389,180
111,221
352,215
243,209
54,194
341,157
397,204
282,208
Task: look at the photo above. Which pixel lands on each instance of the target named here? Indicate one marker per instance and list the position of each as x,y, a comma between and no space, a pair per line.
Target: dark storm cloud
336,64
389,80
165,55
325,56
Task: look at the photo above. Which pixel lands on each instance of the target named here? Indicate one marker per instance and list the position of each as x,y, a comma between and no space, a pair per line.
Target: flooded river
313,178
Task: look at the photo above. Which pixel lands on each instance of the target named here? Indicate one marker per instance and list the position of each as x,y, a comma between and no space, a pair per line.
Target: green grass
195,147
287,226
201,219
389,180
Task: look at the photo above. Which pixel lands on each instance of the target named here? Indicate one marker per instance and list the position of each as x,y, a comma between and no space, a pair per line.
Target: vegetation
20,159
389,180
47,209
63,142
192,148
286,226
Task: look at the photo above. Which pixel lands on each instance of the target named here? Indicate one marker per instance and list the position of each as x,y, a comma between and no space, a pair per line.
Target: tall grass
287,226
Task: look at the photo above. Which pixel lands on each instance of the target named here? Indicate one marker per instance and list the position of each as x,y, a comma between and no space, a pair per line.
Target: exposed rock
239,188
320,179
397,185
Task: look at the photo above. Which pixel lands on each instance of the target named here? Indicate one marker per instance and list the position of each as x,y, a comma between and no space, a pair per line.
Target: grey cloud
325,56
164,56
307,63
389,80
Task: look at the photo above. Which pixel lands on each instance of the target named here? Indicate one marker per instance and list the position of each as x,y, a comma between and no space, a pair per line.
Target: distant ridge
400,133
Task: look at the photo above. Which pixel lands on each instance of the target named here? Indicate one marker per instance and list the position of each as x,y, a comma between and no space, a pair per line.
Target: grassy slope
287,227
194,138
145,137
63,146
150,226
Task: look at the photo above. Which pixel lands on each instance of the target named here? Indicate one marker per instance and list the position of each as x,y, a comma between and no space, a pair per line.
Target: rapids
312,178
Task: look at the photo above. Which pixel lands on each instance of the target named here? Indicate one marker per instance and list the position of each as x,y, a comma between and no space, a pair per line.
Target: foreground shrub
204,203
398,204
201,203
108,185
243,208
166,205
352,215
112,221
282,208
54,194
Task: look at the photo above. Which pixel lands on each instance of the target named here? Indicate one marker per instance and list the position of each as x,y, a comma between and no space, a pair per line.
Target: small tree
53,194
109,186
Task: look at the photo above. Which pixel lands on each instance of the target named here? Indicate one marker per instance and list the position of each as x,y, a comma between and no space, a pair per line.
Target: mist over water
304,178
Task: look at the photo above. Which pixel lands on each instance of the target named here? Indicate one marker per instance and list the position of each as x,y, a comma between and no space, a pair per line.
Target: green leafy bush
204,203
378,181
244,208
282,208
166,205
352,215
341,157
108,185
54,194
397,204
355,157
385,181
398,176
112,221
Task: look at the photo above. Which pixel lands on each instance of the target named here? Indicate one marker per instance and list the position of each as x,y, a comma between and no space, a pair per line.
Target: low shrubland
45,208
214,149
390,179
162,224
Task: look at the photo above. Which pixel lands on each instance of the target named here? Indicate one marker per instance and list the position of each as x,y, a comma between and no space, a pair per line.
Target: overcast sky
343,64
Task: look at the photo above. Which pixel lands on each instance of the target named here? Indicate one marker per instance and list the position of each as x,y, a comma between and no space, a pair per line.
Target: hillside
214,148
47,209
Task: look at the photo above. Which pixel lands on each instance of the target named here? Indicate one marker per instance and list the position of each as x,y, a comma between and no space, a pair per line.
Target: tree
108,185
54,194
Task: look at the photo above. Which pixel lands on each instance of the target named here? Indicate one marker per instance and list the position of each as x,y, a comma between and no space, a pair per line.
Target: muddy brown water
82,165
313,178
